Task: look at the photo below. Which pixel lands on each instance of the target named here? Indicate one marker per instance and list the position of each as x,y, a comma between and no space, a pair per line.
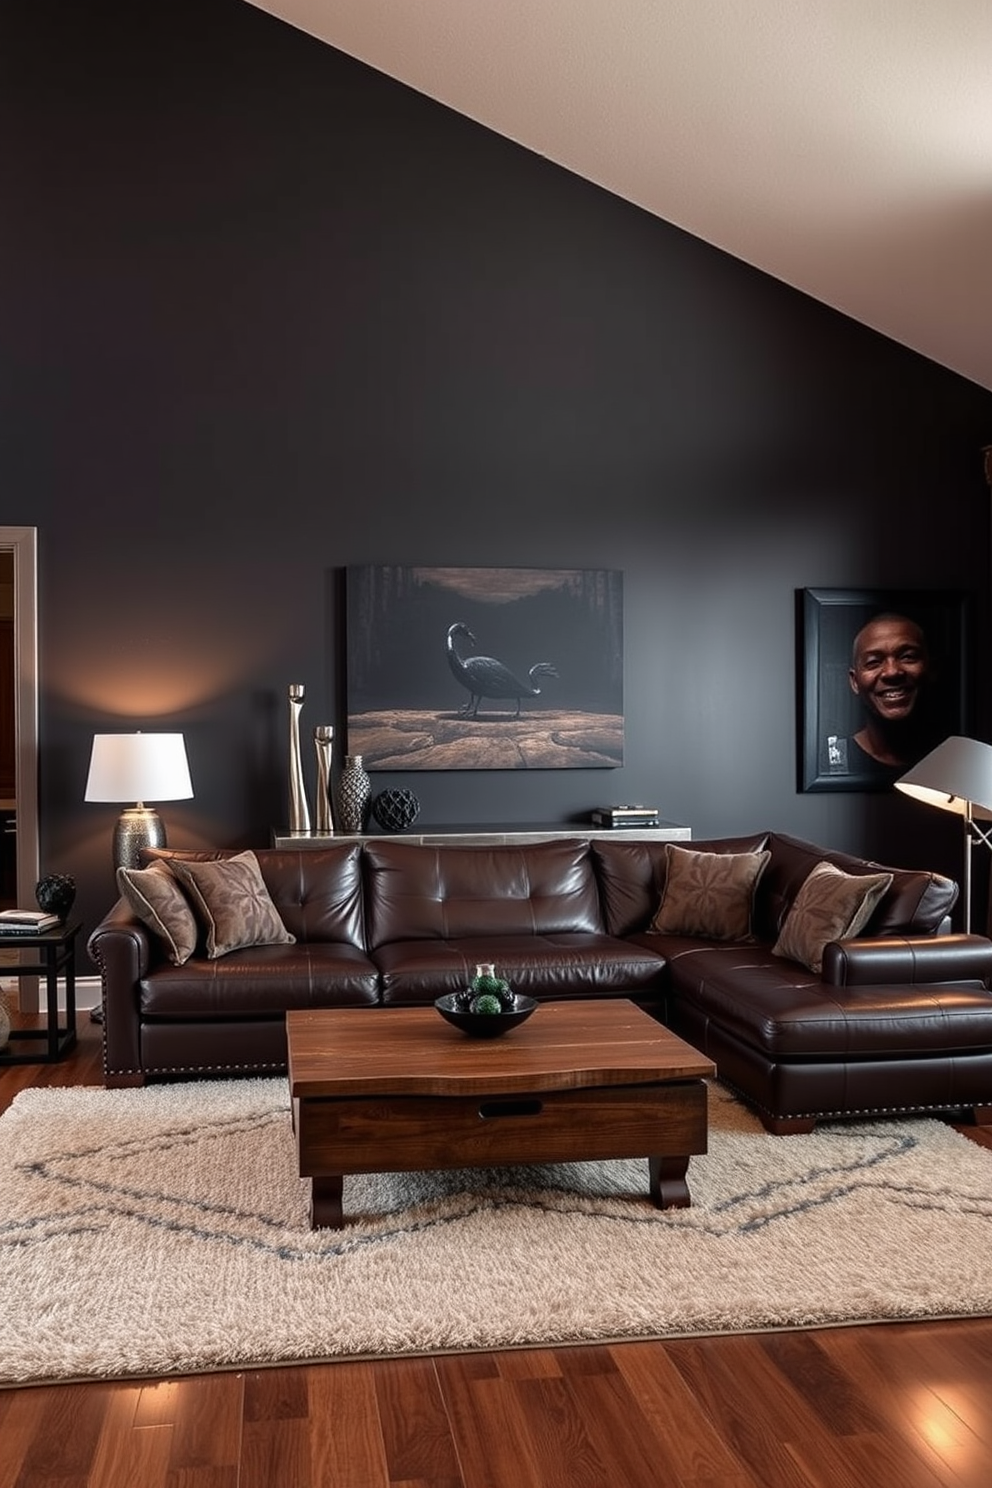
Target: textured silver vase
323,741
299,811
354,794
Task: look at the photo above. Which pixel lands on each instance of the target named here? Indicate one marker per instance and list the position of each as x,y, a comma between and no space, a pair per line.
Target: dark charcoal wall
269,313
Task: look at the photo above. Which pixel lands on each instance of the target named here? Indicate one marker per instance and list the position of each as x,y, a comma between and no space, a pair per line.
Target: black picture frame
831,714
559,631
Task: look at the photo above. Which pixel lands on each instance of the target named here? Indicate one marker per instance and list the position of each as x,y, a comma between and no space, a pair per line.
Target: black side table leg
52,999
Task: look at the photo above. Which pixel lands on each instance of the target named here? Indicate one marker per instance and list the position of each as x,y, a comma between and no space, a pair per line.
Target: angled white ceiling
843,146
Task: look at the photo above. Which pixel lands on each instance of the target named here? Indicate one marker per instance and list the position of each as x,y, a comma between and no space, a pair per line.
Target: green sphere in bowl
487,1002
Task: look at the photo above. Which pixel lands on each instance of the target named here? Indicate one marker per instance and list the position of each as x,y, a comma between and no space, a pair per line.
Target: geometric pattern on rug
165,1231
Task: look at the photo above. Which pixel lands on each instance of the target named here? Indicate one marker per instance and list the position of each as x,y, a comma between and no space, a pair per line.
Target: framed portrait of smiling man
882,681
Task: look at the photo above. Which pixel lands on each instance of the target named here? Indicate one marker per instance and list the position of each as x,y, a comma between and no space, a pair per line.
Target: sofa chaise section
898,1019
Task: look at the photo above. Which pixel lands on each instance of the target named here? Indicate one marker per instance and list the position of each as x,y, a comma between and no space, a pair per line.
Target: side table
56,950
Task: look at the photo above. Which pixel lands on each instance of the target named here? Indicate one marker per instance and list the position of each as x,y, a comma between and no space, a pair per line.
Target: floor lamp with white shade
957,777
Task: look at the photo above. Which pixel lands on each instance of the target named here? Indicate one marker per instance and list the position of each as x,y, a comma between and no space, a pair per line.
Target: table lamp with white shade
957,777
139,768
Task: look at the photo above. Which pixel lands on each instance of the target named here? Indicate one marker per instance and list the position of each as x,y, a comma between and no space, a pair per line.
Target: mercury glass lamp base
137,827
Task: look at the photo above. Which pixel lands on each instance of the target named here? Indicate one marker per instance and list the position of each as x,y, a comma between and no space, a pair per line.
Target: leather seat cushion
261,981
565,965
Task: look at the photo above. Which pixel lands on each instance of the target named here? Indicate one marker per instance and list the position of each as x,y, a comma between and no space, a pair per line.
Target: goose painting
484,668
485,677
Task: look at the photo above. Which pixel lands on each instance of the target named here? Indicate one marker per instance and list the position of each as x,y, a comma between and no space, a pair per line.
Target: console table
486,835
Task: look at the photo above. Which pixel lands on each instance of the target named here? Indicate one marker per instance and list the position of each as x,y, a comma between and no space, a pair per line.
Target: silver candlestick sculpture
323,739
299,812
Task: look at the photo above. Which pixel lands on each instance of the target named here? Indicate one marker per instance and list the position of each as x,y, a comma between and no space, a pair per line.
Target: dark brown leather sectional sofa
899,1019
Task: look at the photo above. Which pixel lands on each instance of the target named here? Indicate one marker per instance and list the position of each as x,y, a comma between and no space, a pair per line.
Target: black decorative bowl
485,1025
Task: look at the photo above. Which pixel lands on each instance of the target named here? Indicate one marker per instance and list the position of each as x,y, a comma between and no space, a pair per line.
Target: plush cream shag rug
164,1231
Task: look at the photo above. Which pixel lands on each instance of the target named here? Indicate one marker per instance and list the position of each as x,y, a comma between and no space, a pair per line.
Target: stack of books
625,816
26,921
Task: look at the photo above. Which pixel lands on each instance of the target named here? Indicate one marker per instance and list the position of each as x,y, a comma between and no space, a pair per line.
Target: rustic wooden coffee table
398,1089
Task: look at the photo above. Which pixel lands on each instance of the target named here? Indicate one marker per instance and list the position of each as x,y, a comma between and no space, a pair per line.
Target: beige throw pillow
830,905
708,893
233,902
156,898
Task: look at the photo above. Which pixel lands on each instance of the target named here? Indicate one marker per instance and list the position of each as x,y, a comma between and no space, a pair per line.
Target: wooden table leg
326,1209
669,1188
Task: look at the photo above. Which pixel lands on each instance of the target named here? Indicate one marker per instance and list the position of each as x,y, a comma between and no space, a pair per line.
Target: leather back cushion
317,891
632,876
915,904
419,892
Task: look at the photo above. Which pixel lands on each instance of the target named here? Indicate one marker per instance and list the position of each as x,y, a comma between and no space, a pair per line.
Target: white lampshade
956,776
138,767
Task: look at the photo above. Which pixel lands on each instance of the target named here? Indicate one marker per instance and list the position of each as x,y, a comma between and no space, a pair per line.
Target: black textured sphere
395,809
56,894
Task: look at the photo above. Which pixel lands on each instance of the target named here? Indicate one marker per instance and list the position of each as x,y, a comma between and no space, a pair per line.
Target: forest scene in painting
485,668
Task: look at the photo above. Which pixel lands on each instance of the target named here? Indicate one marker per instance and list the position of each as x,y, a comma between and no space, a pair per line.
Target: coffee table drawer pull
530,1107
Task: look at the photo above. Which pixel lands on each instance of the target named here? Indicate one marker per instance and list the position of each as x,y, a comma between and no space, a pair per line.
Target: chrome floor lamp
957,777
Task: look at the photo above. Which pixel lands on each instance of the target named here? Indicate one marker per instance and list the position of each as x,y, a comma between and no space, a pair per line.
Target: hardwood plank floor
905,1403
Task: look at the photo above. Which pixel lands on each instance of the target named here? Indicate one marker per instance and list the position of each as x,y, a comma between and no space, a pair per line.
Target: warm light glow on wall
147,686
148,696
170,656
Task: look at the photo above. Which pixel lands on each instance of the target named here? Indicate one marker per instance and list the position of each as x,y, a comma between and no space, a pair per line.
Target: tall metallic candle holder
299,811
323,740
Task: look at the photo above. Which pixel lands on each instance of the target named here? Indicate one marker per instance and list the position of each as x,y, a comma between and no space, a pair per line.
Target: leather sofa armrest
908,960
120,948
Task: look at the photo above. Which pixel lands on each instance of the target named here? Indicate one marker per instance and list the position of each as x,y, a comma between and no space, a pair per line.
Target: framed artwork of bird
484,668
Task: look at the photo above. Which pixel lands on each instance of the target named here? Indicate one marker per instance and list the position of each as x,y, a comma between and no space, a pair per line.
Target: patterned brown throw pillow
236,907
159,902
708,893
830,905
